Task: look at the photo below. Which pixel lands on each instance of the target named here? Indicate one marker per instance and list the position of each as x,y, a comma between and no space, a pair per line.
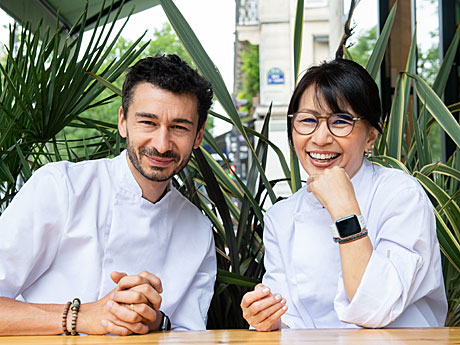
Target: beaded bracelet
352,238
75,308
64,318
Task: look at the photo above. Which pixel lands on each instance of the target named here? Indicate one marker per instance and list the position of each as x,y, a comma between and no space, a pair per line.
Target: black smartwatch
348,228
165,324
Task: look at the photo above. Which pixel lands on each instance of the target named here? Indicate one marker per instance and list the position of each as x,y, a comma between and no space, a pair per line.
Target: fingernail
112,296
265,290
283,301
109,304
104,323
285,307
278,297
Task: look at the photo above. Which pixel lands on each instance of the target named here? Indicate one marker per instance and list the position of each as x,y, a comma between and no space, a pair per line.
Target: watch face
348,226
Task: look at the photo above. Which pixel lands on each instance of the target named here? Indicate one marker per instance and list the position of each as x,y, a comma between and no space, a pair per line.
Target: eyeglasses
340,125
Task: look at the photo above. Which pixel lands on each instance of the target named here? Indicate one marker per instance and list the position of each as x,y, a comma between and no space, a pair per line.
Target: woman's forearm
354,256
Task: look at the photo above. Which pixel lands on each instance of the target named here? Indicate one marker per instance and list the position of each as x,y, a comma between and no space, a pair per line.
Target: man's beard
156,174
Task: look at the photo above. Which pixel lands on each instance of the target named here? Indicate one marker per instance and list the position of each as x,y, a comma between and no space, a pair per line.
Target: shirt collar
360,175
125,180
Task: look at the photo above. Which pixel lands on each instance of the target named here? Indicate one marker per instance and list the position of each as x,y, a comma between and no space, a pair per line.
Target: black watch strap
165,324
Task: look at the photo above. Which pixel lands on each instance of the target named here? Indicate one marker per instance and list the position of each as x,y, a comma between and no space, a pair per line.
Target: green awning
69,10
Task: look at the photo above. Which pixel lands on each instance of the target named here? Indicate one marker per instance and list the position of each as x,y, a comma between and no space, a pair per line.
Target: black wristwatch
165,324
348,228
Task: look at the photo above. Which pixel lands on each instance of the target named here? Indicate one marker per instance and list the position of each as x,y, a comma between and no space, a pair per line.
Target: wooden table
407,336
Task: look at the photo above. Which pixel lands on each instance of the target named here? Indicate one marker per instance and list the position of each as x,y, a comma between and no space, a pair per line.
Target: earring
368,154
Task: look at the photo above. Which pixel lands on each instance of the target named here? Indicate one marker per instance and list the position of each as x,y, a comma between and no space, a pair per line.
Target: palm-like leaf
399,107
375,60
45,85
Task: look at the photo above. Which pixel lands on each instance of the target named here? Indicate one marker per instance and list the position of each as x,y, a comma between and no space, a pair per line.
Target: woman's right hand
262,309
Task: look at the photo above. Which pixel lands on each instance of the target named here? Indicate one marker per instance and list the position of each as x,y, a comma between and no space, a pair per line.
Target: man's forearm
19,318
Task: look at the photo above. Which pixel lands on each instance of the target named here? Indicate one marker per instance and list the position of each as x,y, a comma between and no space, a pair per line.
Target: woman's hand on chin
334,190
262,309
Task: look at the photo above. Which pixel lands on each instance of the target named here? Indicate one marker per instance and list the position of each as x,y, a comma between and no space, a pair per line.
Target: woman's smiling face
321,150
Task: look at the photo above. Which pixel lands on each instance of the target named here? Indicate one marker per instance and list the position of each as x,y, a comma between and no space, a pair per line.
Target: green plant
406,145
250,68
44,86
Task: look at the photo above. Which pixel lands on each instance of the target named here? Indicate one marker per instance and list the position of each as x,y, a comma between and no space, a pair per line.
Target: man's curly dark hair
168,72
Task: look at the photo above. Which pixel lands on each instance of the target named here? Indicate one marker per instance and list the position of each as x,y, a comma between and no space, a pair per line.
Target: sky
365,14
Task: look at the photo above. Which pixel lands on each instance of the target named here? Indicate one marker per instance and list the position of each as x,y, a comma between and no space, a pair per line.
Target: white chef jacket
402,285
71,225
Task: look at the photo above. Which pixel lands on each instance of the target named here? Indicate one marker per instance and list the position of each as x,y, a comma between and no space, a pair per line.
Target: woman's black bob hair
340,84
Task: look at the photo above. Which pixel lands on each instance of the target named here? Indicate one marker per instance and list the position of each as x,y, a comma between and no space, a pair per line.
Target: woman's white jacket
402,285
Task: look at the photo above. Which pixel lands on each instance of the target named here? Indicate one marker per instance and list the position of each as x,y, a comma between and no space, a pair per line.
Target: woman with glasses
357,246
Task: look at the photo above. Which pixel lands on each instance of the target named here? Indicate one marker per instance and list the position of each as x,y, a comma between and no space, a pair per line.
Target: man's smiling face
160,130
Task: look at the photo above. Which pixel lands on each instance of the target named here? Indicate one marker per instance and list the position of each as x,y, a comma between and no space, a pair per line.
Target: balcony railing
247,12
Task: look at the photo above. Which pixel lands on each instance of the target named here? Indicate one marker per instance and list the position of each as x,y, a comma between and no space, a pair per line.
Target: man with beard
112,237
